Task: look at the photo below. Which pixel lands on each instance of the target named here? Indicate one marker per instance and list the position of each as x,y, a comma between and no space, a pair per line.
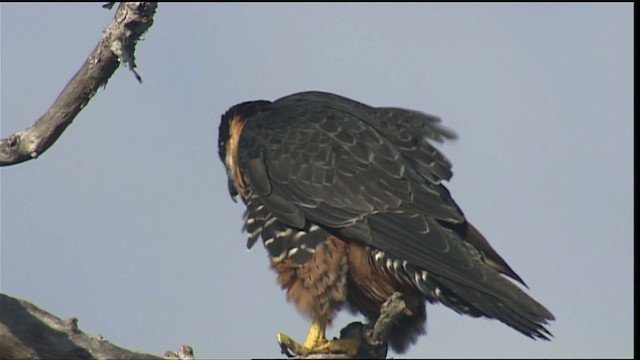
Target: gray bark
28,332
116,46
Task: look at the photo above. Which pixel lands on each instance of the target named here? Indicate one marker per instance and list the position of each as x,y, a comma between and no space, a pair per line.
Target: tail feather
513,307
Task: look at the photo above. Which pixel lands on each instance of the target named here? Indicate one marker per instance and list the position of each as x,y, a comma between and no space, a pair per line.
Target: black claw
285,350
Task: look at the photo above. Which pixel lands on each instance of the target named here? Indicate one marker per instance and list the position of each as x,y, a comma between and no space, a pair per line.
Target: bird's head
231,126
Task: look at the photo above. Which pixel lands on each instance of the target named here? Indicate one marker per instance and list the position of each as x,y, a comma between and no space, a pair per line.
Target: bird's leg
316,334
317,343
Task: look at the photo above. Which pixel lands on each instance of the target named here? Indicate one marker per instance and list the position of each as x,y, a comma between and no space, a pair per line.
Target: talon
290,347
317,343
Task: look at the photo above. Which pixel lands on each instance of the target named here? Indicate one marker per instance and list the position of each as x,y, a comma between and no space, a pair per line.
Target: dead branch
116,46
28,332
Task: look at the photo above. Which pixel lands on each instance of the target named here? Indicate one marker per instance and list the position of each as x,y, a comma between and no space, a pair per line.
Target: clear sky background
126,222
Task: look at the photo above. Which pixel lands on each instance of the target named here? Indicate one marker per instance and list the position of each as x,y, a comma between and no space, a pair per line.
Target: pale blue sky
126,222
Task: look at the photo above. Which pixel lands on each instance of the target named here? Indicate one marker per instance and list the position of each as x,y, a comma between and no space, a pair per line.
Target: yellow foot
292,348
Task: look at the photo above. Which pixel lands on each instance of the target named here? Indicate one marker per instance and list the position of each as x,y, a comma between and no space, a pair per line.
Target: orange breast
235,130
319,286
339,271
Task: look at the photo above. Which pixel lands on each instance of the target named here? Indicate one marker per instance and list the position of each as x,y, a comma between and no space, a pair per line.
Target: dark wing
368,174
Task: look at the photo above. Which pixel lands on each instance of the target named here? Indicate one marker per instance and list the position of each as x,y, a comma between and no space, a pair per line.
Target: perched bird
349,203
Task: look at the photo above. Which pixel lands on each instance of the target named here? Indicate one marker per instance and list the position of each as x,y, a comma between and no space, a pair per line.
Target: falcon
349,202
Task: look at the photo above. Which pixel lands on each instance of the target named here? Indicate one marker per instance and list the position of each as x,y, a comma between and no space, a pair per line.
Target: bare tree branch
28,332
373,336
116,46
389,313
